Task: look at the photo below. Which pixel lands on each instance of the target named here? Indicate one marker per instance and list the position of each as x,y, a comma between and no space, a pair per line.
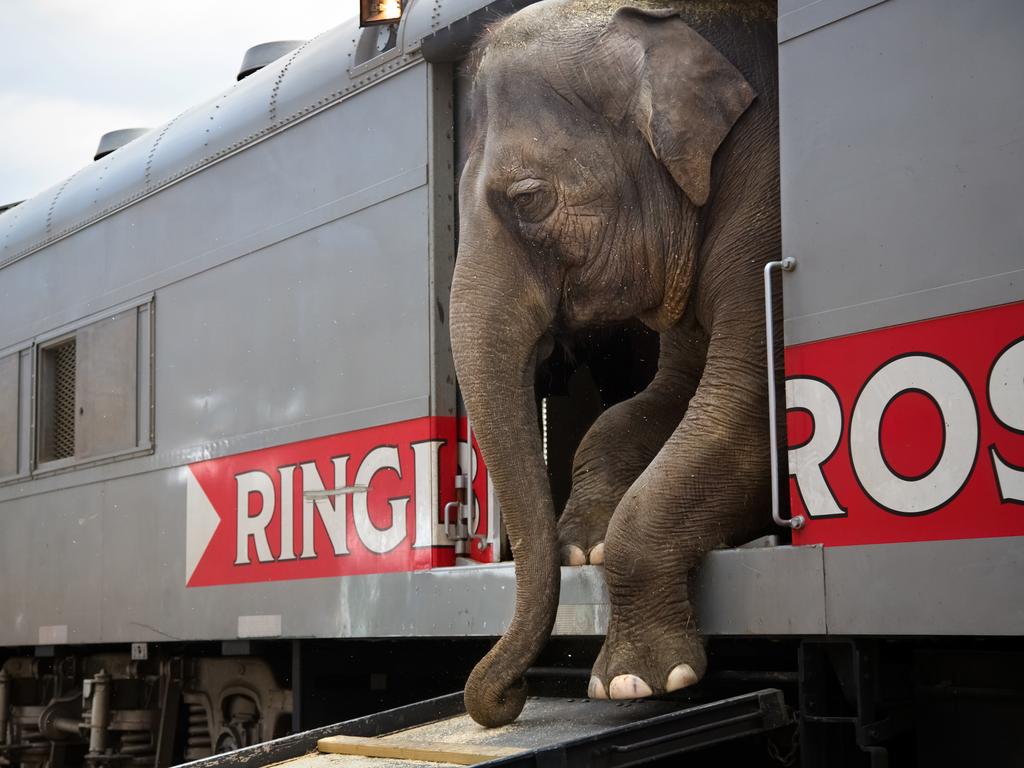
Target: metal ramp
550,731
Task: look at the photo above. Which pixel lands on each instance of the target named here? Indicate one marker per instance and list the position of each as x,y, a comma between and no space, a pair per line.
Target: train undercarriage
848,701
123,709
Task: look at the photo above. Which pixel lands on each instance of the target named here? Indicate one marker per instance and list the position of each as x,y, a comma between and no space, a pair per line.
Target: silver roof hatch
259,56
116,139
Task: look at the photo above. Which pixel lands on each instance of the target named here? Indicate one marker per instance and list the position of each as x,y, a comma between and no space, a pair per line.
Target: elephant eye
532,199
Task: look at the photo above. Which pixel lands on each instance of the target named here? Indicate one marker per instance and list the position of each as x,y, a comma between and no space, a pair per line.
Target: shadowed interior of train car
587,373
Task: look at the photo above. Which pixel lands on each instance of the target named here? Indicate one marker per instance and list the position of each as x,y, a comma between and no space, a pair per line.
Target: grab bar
786,265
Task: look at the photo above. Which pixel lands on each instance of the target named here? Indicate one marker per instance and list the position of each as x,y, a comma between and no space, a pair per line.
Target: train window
9,402
92,390
57,400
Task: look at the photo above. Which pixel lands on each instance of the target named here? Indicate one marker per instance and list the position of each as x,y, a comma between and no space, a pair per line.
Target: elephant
622,163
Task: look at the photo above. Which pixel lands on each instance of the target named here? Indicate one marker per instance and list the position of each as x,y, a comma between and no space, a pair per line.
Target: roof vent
259,56
116,139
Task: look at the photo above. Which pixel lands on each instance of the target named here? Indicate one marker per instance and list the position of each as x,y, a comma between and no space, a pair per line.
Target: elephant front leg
622,443
706,488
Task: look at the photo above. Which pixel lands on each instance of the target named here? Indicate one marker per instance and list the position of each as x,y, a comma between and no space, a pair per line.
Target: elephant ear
688,96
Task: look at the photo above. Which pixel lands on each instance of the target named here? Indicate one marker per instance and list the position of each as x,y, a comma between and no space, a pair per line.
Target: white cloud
74,70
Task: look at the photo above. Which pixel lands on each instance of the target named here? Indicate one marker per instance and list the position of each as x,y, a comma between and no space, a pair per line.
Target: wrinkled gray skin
620,167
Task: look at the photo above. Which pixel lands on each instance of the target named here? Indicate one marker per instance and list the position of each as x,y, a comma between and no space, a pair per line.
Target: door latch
458,515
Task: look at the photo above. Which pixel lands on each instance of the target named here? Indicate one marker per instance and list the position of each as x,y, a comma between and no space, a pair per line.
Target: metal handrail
786,265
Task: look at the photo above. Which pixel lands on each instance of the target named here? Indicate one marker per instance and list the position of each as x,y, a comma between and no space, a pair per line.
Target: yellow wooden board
438,752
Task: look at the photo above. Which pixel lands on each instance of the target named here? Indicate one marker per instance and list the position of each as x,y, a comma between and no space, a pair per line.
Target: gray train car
267,272
234,476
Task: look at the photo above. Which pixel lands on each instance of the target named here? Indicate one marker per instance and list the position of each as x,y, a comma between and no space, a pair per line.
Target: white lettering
332,515
805,461
379,540
427,474
941,382
287,475
1006,397
253,526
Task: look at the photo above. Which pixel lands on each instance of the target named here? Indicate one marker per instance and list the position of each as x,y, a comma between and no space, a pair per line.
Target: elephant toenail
629,687
681,676
573,555
596,689
597,554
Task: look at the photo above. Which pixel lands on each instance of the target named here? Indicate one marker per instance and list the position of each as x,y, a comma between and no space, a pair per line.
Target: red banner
276,514
910,433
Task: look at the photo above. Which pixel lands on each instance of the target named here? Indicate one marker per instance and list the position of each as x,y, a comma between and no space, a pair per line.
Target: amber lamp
379,12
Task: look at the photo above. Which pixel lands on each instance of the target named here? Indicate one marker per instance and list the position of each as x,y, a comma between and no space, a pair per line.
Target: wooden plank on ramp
432,751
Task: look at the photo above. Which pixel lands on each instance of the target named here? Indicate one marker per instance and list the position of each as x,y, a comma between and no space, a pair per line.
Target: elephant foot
647,659
632,687
574,555
581,535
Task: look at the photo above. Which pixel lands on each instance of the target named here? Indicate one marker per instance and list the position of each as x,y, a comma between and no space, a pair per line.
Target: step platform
550,731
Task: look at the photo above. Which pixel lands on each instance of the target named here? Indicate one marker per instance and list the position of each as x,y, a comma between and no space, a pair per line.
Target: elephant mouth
580,315
568,314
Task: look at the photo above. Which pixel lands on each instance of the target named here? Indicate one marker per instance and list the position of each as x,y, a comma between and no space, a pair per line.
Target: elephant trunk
496,322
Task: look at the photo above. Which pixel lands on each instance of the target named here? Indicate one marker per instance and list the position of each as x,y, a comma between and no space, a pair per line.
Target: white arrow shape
201,520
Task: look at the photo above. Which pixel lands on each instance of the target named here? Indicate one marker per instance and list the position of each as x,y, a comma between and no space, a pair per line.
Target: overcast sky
71,70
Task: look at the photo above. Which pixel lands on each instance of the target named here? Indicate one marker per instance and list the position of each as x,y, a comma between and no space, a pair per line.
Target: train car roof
317,74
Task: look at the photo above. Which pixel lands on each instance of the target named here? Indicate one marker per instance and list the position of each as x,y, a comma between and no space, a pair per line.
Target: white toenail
596,689
573,555
628,687
681,676
597,554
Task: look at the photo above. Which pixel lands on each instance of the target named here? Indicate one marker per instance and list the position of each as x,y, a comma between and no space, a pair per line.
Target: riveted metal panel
319,61
328,321
427,17
436,603
107,386
762,591
24,223
95,187
902,164
51,554
10,379
967,587
442,235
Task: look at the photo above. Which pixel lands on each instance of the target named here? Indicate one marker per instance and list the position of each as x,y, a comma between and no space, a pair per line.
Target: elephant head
592,135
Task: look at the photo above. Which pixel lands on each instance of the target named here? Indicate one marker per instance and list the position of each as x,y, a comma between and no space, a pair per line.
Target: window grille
57,419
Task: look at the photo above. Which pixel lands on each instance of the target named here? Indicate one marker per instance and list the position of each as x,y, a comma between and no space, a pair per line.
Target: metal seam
147,176
281,76
53,202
